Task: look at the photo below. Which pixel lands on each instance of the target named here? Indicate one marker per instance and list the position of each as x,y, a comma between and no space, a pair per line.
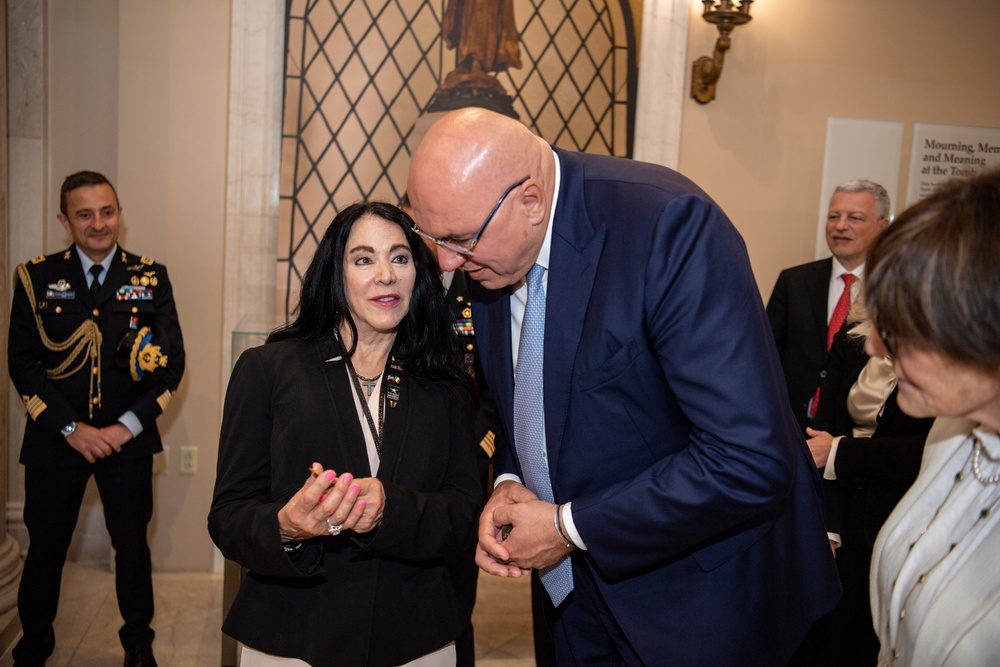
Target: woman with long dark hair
347,477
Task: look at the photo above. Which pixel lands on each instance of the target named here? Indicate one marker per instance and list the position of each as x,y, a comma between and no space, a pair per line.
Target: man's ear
533,201
883,223
65,223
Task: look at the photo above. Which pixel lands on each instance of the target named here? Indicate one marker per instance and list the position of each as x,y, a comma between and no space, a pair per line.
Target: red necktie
836,321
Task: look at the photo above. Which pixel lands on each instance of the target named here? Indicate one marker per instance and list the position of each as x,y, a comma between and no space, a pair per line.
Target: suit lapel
397,416
342,418
819,292
74,274
576,248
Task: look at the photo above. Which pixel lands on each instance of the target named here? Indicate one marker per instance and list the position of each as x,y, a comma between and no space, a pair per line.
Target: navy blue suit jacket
666,421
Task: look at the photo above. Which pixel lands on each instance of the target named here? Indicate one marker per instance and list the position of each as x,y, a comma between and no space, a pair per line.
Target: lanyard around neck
376,432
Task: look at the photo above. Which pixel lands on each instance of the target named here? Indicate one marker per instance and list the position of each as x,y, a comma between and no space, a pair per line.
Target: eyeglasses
465,247
888,342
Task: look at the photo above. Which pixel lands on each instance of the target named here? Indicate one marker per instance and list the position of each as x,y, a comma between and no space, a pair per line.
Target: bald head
466,161
471,148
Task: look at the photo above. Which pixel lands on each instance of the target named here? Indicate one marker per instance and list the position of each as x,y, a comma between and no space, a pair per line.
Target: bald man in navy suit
685,505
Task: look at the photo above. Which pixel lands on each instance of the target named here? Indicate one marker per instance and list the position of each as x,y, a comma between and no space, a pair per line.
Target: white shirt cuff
570,527
508,477
131,422
830,471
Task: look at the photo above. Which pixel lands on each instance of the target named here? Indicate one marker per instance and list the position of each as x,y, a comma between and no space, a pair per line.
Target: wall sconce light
707,70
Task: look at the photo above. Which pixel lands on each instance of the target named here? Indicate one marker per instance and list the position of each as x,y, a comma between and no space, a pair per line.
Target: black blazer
872,473
797,312
136,293
382,598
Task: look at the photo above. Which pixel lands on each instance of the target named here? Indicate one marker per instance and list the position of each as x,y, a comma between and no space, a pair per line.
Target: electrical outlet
189,460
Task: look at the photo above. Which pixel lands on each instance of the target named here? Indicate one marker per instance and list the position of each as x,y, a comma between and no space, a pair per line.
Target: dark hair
82,179
425,343
932,278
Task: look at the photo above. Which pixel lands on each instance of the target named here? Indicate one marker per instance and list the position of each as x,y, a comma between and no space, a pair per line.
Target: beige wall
173,73
758,148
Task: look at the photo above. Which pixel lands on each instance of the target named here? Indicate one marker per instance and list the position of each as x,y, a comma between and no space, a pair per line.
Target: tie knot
848,279
96,271
534,277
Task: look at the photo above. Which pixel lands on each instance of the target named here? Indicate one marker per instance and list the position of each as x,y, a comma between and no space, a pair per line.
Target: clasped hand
532,542
328,500
95,443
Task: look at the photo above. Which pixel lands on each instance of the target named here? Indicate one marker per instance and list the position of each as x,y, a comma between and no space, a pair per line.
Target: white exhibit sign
943,152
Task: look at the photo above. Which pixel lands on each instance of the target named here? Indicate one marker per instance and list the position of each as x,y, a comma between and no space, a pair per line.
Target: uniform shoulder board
38,260
147,260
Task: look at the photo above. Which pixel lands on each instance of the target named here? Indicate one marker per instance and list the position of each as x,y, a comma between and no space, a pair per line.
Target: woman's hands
327,504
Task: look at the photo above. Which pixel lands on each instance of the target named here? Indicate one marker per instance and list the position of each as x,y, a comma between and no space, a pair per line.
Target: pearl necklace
976,451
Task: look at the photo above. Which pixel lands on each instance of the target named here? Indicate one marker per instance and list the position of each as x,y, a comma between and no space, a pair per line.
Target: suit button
822,374
58,309
96,312
469,347
134,309
96,400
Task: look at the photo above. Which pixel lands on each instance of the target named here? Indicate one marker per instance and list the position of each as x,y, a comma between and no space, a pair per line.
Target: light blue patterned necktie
529,421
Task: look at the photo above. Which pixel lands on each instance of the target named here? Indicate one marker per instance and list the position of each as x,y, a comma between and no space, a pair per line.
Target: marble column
16,18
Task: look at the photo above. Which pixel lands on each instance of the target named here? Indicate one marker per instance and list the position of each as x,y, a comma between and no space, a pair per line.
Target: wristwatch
68,429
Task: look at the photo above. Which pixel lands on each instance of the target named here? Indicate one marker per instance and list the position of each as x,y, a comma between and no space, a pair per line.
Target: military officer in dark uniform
466,571
95,351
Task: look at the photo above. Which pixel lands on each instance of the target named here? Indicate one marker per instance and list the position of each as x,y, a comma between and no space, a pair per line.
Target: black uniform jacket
381,598
135,294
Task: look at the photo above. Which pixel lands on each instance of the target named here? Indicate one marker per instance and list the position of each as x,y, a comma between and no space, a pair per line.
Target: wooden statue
485,39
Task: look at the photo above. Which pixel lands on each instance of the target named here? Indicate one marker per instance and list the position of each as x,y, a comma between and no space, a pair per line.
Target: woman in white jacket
933,285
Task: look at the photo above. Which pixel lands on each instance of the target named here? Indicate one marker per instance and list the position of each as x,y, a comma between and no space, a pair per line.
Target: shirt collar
88,262
545,252
838,270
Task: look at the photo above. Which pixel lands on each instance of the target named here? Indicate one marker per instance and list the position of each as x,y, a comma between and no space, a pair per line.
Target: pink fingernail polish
355,488
322,498
361,504
330,475
347,478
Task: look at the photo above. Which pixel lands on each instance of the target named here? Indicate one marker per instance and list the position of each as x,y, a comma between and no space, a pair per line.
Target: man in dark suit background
667,497
805,297
96,352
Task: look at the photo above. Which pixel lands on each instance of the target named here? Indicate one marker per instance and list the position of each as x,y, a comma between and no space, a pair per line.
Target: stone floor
189,610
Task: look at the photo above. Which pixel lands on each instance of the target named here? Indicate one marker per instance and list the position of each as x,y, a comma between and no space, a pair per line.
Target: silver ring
333,529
